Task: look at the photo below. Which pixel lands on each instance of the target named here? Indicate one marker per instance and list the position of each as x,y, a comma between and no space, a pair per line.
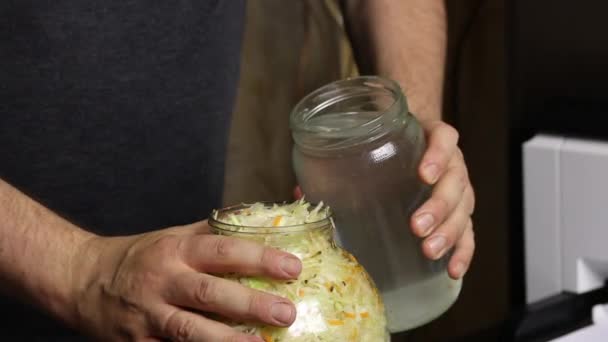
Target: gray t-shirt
115,113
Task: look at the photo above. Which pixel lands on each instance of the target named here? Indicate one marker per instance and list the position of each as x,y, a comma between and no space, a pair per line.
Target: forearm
404,40
37,253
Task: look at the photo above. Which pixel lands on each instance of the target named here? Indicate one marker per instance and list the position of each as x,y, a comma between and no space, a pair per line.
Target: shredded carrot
301,293
352,257
276,221
349,315
335,322
267,337
364,314
355,269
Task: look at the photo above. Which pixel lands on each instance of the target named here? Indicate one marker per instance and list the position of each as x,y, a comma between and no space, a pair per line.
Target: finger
181,325
223,254
469,195
297,192
230,299
447,194
442,140
463,253
447,234
200,227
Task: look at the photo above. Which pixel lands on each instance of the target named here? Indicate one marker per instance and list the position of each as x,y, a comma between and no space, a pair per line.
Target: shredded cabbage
334,296
276,215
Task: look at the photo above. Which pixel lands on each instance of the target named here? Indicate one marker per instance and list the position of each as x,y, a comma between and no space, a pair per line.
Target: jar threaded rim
348,112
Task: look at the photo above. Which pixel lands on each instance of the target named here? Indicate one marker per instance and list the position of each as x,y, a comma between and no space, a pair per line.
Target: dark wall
560,48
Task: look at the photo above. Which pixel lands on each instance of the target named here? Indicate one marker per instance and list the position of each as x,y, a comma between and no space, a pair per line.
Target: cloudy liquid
373,189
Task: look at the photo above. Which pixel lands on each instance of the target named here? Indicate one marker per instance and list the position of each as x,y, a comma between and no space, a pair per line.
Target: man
113,126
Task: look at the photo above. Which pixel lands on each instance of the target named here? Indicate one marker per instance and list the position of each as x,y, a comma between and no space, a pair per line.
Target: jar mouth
218,225
348,112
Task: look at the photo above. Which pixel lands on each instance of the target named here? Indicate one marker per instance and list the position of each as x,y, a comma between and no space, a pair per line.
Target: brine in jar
358,148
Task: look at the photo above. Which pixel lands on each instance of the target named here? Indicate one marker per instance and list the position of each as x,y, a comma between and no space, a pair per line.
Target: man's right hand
159,286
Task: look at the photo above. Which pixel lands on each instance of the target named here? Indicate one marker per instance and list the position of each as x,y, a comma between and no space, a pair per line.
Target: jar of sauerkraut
334,297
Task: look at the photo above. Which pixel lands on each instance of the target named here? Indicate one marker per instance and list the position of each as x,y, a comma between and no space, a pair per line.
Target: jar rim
316,104
266,230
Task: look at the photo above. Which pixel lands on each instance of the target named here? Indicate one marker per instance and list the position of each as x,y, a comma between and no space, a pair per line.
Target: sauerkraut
334,296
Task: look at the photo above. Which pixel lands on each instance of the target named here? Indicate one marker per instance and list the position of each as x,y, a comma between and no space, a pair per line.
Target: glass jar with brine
335,298
358,148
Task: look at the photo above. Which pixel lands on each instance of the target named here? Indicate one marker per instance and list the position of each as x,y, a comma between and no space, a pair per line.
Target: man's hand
445,219
160,285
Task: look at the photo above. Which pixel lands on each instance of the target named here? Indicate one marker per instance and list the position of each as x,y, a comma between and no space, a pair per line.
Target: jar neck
294,242
289,238
348,113
323,229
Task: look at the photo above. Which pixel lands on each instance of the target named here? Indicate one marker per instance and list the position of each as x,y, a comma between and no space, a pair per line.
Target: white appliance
566,222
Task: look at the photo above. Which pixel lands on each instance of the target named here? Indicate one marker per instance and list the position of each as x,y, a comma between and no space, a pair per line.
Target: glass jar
357,148
334,296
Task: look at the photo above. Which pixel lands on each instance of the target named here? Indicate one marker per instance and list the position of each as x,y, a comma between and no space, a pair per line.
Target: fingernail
437,244
431,173
282,312
459,270
291,266
424,223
